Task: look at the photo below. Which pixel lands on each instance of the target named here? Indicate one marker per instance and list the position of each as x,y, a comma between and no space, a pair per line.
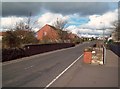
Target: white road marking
28,67
62,72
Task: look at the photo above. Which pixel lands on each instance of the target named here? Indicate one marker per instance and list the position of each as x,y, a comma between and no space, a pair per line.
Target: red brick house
48,33
72,36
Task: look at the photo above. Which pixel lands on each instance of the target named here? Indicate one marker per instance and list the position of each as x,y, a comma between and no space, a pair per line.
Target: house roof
46,26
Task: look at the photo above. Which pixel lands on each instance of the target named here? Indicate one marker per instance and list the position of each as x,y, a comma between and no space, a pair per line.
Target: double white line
63,72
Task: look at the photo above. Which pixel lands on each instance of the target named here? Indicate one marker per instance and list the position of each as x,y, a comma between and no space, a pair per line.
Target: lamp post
103,32
104,49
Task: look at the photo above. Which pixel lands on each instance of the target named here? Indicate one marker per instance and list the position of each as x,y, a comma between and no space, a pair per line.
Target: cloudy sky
84,18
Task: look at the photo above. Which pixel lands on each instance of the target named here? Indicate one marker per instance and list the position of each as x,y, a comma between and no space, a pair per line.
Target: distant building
72,36
48,33
114,36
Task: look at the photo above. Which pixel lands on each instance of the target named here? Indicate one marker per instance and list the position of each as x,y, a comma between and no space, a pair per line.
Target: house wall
47,33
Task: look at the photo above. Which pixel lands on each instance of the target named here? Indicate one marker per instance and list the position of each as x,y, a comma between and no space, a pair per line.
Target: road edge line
63,72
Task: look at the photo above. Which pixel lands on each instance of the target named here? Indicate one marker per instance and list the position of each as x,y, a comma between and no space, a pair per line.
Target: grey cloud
82,8
20,9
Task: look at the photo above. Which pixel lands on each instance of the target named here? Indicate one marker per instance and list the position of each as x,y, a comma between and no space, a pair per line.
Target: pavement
89,75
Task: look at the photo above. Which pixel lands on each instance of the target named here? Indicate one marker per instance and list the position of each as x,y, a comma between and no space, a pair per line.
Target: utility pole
103,37
104,49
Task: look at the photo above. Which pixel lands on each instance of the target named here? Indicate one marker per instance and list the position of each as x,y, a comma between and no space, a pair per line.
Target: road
40,70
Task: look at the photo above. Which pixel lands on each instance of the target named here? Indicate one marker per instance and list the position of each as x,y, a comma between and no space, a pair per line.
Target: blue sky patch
77,21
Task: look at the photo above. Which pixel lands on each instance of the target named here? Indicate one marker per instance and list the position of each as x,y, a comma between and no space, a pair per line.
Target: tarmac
91,75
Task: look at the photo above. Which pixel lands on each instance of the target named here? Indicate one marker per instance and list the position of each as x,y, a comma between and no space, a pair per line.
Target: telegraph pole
104,49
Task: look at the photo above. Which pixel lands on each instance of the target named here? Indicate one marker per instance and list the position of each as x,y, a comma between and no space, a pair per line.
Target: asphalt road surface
40,70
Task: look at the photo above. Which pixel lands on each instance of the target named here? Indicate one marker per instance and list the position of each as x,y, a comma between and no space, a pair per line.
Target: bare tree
116,25
59,24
